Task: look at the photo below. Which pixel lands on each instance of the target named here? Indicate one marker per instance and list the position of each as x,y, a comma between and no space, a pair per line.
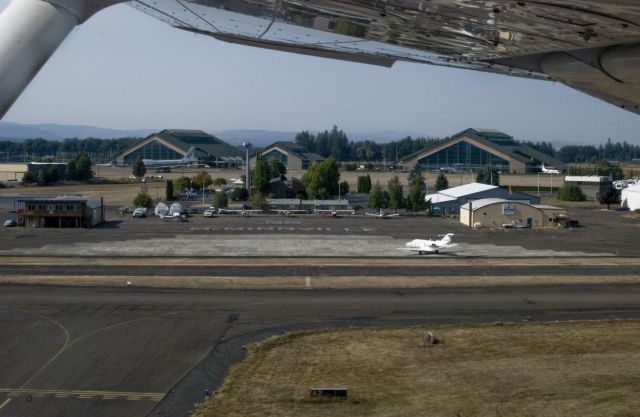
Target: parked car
10,223
140,212
209,212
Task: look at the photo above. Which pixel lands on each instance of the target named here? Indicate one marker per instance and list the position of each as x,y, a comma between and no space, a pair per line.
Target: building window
276,155
463,156
152,150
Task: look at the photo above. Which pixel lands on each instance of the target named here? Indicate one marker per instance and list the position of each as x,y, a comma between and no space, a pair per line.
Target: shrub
570,192
143,200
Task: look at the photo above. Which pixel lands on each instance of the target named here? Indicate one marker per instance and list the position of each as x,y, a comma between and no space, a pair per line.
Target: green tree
220,200
41,178
219,182
202,178
182,184
570,192
138,169
240,194
344,187
378,198
394,190
416,177
143,200
168,191
258,201
611,196
321,180
70,171
83,167
488,175
28,178
276,168
364,184
415,198
442,183
260,175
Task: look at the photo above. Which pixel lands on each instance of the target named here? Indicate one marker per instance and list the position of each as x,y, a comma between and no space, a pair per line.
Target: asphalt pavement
106,352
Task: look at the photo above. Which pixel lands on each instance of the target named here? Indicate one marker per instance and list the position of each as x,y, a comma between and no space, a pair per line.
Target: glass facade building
152,150
463,156
275,154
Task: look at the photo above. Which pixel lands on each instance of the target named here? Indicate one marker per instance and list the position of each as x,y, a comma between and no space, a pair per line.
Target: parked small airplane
290,212
382,214
244,212
335,213
167,164
429,246
550,170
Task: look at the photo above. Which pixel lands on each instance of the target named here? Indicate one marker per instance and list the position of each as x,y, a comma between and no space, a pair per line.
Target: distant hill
19,132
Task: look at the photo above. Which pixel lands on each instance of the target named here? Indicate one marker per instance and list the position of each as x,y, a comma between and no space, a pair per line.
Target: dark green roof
501,142
296,150
205,144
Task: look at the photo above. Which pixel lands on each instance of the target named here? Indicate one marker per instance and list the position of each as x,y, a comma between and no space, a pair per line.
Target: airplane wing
590,45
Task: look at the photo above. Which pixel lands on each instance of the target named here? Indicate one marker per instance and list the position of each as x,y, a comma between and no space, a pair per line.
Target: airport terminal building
175,144
474,149
292,156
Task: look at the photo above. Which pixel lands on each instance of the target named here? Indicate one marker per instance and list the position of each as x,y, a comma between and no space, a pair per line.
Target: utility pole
247,173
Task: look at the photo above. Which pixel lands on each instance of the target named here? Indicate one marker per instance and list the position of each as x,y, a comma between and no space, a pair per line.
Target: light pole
247,174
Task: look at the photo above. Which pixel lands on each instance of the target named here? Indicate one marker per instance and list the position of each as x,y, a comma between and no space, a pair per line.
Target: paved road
361,270
105,352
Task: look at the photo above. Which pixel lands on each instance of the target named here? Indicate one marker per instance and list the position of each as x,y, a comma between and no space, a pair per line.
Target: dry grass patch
559,369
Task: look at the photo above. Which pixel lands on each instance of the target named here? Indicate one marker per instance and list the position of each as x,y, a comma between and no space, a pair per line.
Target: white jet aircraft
429,246
170,163
546,170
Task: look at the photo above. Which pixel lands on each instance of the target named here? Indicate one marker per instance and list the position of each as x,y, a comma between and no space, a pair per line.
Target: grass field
564,369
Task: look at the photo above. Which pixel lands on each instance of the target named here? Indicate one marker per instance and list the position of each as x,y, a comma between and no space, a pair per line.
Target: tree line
335,143
329,143
99,150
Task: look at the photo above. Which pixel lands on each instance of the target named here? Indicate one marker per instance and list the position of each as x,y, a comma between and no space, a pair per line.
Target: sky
123,69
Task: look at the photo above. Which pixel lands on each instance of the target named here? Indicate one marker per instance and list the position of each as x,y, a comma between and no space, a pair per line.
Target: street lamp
247,146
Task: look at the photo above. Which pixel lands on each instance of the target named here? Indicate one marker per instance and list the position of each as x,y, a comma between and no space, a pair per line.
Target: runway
358,269
70,351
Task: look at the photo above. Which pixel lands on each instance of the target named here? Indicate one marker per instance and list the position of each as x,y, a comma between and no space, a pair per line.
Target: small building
630,197
62,211
498,212
288,188
473,149
15,172
591,185
292,156
171,144
449,201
